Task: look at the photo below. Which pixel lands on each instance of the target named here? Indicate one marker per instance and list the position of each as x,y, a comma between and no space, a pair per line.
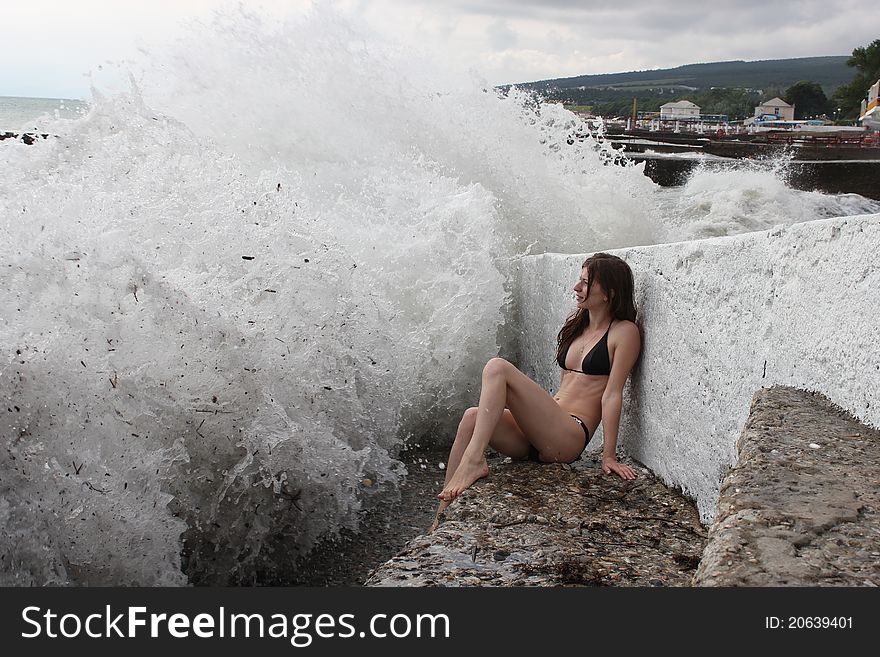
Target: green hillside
830,72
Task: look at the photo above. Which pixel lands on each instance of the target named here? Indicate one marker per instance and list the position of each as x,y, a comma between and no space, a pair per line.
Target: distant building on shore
869,113
682,109
775,107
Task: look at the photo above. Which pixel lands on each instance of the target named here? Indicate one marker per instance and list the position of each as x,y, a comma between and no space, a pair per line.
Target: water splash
748,195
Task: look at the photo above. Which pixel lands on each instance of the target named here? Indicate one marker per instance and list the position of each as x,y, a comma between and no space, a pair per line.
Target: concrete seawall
721,318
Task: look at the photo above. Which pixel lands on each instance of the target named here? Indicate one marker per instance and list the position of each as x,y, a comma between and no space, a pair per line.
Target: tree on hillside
866,61
771,93
808,99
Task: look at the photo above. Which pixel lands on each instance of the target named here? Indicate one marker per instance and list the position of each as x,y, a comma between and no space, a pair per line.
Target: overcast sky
47,46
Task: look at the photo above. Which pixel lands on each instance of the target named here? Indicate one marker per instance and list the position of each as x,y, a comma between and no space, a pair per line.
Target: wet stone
790,514
553,525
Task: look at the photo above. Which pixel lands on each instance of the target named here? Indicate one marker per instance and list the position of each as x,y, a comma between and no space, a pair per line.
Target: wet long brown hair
616,278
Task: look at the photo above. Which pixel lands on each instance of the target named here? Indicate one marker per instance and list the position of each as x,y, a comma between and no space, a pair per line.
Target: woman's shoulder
625,328
618,323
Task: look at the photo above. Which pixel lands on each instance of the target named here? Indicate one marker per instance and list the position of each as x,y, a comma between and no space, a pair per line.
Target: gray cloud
504,40
747,18
560,38
501,37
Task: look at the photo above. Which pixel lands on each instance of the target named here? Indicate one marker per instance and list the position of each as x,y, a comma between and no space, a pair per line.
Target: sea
21,114
233,292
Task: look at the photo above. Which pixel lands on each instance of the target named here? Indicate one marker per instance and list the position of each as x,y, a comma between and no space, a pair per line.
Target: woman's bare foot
466,474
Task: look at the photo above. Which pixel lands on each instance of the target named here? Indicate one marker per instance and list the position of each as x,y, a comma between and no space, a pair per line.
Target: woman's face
596,295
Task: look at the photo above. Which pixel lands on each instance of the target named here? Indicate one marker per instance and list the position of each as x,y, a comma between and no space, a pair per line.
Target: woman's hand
611,465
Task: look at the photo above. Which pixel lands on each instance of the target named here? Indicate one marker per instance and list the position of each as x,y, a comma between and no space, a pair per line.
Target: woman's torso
580,393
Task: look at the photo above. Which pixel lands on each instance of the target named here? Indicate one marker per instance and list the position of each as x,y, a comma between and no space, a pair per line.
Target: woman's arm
625,355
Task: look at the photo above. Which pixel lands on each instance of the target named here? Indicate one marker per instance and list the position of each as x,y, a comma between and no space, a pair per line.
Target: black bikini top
597,362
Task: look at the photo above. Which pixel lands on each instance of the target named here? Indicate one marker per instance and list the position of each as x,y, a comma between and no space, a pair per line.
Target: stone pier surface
556,525
802,505
800,508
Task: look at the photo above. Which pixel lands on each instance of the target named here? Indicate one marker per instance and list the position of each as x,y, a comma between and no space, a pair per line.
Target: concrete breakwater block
555,525
802,505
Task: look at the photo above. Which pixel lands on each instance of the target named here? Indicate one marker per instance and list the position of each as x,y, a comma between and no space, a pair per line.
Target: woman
597,349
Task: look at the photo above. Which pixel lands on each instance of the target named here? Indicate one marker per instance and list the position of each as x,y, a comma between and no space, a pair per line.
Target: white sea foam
230,294
747,195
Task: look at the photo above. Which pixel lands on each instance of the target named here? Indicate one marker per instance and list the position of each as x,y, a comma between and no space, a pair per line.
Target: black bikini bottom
533,453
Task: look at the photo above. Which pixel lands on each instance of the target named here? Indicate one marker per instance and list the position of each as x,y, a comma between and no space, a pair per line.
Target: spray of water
747,195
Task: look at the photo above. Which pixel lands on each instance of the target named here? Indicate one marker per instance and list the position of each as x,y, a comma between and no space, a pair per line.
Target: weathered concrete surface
721,318
802,506
555,525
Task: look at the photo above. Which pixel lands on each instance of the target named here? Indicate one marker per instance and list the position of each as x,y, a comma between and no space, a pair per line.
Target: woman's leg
542,422
462,438
507,439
